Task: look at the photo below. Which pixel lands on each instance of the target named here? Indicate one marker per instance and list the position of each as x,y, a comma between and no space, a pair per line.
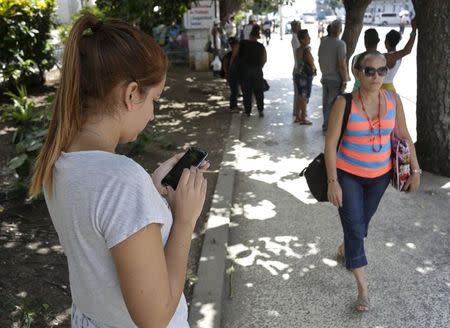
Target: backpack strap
348,107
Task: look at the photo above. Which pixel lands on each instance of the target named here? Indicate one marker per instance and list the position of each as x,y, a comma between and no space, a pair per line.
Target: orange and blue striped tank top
363,151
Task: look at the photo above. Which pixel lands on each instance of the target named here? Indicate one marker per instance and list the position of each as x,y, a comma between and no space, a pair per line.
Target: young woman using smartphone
126,247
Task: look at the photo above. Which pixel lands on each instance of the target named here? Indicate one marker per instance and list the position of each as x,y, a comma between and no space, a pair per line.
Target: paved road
282,243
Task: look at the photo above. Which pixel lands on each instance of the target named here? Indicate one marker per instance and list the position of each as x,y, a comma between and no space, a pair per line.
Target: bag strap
348,107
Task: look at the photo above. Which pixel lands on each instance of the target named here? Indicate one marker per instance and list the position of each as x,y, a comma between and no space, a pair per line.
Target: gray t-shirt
331,51
100,199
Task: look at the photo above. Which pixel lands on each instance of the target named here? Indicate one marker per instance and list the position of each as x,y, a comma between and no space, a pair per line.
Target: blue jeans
360,199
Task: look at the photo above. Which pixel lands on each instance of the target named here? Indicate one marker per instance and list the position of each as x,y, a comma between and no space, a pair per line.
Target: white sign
201,15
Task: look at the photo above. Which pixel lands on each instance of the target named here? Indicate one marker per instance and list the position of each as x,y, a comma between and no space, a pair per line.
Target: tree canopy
145,13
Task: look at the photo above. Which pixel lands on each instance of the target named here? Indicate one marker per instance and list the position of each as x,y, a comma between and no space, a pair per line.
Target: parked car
309,18
385,19
330,18
368,18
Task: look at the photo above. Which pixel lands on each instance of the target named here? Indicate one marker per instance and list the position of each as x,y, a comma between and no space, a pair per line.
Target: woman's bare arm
331,143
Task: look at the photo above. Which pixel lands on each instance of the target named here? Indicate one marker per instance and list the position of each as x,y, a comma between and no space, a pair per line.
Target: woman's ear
131,95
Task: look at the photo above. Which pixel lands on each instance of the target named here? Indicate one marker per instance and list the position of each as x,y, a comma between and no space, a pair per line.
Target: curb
206,306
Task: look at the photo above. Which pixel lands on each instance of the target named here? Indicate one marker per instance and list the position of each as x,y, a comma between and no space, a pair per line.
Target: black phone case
193,157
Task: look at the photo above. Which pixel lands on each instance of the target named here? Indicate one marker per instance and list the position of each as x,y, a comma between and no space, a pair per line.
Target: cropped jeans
360,199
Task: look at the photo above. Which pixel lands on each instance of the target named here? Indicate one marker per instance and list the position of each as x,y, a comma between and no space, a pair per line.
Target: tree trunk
354,14
433,85
228,7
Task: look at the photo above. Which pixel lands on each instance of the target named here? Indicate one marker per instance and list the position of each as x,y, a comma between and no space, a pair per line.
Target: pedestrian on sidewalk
371,40
333,65
127,248
304,72
295,43
251,57
248,28
267,28
394,57
360,171
231,73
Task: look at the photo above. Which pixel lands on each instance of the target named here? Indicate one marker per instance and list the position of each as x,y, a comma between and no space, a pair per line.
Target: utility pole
280,12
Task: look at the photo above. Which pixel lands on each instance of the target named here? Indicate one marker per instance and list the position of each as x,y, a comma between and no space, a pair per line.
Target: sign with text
201,15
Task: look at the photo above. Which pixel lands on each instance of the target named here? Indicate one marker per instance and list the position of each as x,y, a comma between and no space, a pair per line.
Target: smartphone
193,157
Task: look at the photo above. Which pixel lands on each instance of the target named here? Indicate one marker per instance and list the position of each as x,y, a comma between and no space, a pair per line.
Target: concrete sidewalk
281,244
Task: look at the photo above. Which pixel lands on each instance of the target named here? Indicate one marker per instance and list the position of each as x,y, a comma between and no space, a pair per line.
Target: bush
26,52
31,129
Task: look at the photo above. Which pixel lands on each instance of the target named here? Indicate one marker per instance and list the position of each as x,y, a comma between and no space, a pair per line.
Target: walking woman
126,247
360,171
251,58
304,72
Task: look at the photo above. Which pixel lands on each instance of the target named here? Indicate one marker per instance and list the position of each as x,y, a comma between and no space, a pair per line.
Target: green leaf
17,162
36,144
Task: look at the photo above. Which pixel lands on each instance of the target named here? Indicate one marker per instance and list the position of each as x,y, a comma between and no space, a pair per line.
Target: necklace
372,134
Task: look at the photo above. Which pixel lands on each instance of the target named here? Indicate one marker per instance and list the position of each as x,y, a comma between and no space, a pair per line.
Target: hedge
26,52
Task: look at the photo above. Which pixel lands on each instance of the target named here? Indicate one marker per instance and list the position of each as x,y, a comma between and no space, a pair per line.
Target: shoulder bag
316,172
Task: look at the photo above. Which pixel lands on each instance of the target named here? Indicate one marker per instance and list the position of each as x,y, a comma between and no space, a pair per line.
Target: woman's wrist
416,171
332,180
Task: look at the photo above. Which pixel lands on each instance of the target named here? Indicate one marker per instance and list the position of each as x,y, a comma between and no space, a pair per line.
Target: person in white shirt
248,28
126,246
230,28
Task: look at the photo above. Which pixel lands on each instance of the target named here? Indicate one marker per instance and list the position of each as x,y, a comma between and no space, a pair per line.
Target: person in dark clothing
230,73
251,57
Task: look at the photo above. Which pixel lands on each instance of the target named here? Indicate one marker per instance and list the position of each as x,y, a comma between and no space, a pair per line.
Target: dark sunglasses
370,71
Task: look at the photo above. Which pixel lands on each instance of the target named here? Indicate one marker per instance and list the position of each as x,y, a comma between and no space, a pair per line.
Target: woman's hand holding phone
162,171
165,168
188,199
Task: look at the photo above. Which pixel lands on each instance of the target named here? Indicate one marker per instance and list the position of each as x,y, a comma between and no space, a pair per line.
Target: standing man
333,64
248,28
230,28
295,28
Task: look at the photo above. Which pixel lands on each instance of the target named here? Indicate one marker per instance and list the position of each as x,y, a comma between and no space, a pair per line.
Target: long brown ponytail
98,57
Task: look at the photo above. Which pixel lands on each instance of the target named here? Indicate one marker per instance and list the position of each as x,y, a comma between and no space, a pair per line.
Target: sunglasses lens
382,71
369,71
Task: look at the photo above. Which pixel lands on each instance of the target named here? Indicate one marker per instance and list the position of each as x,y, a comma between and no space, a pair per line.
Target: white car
386,19
330,18
309,18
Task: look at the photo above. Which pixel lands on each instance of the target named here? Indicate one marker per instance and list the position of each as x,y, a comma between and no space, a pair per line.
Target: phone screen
193,157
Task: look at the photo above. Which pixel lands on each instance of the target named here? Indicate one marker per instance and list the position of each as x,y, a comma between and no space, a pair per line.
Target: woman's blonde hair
98,57
365,56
